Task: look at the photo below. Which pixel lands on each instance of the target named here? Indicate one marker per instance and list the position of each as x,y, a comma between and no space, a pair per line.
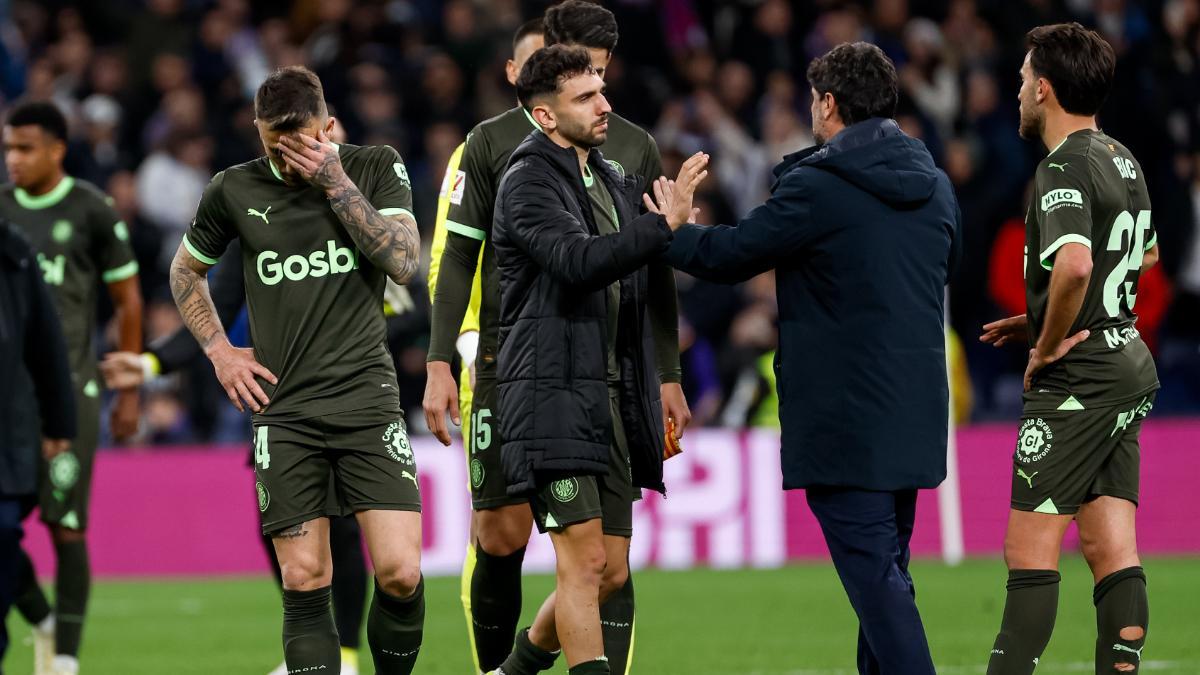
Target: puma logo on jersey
260,214
1061,167
1028,478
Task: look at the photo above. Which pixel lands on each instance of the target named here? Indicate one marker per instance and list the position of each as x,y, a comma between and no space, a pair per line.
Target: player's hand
236,370
441,396
1004,331
673,199
122,370
53,447
315,159
1038,360
125,415
676,417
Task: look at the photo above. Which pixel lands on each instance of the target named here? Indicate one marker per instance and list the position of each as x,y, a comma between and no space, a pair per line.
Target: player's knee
502,532
501,541
1021,554
399,579
585,569
305,573
614,577
1106,557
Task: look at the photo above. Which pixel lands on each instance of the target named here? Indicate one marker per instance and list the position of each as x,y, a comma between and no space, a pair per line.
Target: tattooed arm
391,243
189,286
236,368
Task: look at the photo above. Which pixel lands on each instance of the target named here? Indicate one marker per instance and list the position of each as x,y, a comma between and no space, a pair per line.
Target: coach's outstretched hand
673,198
1004,331
122,370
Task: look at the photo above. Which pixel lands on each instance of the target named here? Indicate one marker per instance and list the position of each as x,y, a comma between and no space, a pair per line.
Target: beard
584,135
1031,126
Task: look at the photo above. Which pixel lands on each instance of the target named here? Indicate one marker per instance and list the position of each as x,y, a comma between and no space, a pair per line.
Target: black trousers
868,534
12,511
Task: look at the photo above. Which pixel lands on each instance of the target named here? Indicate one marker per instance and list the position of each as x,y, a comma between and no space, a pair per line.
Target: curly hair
861,78
41,114
548,68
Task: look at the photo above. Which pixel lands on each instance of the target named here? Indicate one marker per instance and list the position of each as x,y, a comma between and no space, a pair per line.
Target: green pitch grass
792,621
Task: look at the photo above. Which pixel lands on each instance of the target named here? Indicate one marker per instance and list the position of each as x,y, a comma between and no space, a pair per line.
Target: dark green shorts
485,468
363,457
65,482
1070,455
576,499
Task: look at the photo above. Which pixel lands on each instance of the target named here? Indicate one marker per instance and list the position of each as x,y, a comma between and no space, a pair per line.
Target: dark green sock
350,579
73,582
310,640
31,602
597,667
527,658
395,627
495,605
1028,621
1121,603
616,624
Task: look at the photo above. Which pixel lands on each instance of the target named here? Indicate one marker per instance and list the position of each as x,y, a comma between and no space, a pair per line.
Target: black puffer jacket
554,269
34,370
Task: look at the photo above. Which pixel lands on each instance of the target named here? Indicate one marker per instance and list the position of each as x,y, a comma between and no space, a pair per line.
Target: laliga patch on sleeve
401,173
458,188
1061,197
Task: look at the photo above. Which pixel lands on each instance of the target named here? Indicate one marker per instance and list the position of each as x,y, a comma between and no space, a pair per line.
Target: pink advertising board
192,511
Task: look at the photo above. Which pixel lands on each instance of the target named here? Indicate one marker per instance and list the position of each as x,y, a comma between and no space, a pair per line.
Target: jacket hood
875,156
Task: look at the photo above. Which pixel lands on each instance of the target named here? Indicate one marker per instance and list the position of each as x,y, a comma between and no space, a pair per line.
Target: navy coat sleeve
759,242
47,362
562,246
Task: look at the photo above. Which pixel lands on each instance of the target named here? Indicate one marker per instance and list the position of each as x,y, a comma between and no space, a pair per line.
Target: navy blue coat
863,234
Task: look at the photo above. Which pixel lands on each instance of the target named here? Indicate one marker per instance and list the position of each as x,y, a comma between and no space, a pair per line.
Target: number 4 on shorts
262,454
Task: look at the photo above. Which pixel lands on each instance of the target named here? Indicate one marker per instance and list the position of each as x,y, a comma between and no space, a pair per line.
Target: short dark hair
1078,63
586,24
531,27
548,68
289,98
43,114
861,78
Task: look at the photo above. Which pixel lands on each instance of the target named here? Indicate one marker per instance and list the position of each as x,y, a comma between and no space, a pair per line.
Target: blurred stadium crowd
159,93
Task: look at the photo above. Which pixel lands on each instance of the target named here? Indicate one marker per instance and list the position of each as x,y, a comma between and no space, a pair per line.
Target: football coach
863,234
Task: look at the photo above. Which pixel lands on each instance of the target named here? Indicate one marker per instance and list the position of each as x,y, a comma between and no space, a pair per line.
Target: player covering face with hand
321,225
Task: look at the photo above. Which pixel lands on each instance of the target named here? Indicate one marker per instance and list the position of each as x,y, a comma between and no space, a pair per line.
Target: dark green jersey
315,303
471,190
80,242
607,222
1090,190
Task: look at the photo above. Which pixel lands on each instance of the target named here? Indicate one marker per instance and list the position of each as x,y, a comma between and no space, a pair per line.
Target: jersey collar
530,118
47,200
